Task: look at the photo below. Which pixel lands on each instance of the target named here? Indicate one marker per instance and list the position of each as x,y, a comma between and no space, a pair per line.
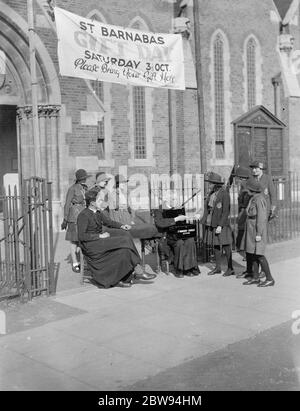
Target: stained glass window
139,115
139,122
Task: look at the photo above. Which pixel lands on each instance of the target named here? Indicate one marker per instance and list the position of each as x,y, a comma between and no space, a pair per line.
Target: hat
102,177
242,172
119,178
81,174
213,178
257,164
91,195
253,185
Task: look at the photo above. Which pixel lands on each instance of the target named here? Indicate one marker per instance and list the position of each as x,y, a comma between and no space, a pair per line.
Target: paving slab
88,338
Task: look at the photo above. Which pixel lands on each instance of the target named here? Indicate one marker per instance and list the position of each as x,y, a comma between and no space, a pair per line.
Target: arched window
139,108
141,116
251,48
219,95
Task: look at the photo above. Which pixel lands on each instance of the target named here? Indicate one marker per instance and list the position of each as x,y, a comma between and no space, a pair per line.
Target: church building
246,81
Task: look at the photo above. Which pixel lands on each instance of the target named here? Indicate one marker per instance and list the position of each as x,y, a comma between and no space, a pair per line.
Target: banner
93,50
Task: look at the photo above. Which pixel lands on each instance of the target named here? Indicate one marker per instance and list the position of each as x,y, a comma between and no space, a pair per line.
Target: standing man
255,237
268,188
216,221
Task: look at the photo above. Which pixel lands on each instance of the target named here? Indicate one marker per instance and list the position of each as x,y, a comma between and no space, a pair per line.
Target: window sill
147,162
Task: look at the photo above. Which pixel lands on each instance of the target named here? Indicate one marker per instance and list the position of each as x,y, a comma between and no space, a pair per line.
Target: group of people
111,254
256,204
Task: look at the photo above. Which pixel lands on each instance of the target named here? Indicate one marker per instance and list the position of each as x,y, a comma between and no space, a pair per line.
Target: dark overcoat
109,259
220,217
75,202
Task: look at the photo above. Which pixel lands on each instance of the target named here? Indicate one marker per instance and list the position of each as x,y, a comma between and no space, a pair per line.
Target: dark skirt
71,233
213,239
181,253
111,259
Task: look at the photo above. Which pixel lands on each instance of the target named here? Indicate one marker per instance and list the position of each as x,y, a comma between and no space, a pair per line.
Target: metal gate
26,241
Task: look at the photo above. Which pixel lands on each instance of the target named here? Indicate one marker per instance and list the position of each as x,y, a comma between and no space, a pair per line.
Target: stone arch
14,43
138,20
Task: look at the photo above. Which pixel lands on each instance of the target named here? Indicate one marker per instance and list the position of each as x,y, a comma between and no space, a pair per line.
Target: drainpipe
200,98
276,87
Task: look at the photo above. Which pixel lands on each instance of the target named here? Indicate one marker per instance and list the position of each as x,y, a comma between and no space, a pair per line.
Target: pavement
199,333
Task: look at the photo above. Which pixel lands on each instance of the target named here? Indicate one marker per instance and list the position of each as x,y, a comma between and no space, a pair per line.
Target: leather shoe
145,276
266,283
228,272
252,281
196,271
215,271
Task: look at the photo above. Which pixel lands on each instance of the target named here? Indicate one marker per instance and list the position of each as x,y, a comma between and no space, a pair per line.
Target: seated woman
120,210
181,253
111,257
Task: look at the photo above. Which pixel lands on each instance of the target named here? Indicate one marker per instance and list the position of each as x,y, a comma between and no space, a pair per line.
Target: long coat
75,202
219,217
109,259
256,224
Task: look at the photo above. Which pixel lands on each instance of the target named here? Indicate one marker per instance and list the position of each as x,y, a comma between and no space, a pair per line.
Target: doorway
8,142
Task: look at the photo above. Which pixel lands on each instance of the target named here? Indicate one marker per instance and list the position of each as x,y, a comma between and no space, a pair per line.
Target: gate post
51,249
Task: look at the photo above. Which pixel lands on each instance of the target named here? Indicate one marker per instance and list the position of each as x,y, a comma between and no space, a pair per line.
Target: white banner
92,50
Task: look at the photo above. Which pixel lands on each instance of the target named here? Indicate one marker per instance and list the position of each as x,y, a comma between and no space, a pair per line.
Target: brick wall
236,18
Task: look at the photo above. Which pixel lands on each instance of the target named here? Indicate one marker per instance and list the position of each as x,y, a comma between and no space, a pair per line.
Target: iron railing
26,241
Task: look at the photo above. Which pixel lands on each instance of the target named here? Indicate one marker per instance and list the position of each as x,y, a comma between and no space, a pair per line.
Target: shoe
179,274
138,270
189,273
266,283
196,271
252,281
76,268
215,271
145,276
148,269
228,272
124,284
